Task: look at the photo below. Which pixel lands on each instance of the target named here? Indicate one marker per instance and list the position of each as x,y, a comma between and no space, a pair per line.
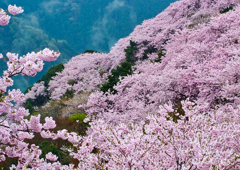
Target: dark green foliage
79,117
38,101
69,94
129,52
41,100
8,162
51,73
46,147
2,97
29,105
48,76
149,50
123,70
90,51
178,112
160,53
71,82
227,9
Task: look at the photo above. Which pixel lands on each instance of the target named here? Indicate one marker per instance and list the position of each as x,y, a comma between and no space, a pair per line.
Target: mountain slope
179,107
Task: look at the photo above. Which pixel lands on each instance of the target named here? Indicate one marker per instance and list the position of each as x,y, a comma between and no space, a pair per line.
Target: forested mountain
72,26
164,97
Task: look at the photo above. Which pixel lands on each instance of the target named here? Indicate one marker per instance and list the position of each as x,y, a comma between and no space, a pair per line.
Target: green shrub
69,94
129,52
46,147
90,51
41,100
51,73
160,53
227,9
121,71
71,82
79,118
29,106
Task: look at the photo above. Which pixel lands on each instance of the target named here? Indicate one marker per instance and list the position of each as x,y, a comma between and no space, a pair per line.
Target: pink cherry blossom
180,113
47,55
47,134
63,134
49,123
12,57
14,10
4,18
34,123
51,157
36,90
85,72
14,129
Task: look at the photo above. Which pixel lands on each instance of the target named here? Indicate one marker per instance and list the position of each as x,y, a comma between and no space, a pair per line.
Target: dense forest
164,97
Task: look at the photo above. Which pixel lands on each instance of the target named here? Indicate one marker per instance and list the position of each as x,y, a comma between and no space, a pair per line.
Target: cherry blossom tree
179,113
85,72
14,129
197,141
199,64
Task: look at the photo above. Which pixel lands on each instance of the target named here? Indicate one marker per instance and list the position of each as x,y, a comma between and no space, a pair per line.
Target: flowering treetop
14,129
4,17
178,112
14,10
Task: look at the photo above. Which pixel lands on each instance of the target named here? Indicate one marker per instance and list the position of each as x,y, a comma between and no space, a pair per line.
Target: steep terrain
71,26
165,96
172,49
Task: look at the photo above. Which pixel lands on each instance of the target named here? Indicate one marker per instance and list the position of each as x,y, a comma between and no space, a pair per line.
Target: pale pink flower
51,157
12,56
49,123
4,19
14,10
47,55
35,123
46,134
62,134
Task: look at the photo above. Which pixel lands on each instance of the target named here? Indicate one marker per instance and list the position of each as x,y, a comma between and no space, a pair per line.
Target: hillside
71,26
165,96
159,47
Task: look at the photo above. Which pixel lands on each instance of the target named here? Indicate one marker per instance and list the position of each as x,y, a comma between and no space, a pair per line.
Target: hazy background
71,26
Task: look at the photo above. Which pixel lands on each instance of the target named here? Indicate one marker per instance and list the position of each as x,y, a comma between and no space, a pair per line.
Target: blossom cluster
14,10
200,63
30,63
4,17
180,113
197,140
14,128
85,72
36,90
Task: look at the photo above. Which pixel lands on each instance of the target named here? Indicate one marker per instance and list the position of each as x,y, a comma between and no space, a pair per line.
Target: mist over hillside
72,26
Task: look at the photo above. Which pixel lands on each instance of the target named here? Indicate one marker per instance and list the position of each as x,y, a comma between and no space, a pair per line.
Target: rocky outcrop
64,107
